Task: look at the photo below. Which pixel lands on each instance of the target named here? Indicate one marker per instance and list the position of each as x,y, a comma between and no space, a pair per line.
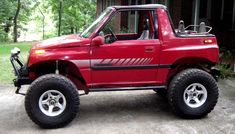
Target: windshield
96,23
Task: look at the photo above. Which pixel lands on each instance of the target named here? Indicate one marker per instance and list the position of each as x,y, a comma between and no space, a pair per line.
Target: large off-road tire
52,101
193,93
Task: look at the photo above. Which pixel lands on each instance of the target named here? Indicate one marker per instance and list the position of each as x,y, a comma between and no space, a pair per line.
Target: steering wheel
114,37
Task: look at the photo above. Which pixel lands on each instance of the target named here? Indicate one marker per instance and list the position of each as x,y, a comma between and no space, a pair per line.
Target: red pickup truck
125,48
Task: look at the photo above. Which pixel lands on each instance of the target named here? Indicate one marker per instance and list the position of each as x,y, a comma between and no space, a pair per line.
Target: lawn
6,70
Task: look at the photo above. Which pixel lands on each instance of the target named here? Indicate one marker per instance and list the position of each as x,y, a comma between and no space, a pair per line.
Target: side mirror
98,41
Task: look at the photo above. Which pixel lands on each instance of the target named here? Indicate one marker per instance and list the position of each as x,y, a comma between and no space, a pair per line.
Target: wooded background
46,18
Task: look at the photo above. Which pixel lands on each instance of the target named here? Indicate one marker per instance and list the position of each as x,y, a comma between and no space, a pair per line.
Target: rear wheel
193,93
52,101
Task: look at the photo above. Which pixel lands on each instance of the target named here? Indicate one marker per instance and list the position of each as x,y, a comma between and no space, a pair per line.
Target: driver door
127,60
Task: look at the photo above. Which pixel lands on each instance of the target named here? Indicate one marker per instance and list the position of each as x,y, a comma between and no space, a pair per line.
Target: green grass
6,70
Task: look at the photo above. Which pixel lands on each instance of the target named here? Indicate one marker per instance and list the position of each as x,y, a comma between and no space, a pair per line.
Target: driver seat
181,28
145,33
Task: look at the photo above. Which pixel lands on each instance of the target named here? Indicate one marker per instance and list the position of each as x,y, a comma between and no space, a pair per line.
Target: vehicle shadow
121,107
95,108
129,112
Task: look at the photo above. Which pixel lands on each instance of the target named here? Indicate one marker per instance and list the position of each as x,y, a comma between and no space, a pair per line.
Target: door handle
149,49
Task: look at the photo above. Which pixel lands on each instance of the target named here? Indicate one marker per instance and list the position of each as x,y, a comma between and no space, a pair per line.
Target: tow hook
18,91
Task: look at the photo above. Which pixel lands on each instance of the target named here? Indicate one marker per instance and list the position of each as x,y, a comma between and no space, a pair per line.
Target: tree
15,32
22,15
60,16
6,16
73,15
14,13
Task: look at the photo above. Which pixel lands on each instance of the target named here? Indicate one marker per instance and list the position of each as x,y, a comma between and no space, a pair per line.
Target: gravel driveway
132,112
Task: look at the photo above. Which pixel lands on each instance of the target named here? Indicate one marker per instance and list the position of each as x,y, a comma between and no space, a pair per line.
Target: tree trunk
72,30
60,17
15,32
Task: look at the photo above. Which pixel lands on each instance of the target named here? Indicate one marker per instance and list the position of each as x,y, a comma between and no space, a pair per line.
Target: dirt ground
136,112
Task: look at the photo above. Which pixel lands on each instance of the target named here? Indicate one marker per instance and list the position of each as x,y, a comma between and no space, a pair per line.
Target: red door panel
132,62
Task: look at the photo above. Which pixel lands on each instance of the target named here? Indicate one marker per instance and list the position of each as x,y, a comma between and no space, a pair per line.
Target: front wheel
52,101
193,93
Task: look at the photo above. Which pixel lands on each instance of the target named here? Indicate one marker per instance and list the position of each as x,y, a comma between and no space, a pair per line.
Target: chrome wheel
195,95
52,103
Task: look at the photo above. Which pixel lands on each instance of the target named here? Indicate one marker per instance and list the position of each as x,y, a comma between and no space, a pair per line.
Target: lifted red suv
126,48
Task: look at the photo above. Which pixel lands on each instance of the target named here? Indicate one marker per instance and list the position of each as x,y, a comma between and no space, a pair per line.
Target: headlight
15,51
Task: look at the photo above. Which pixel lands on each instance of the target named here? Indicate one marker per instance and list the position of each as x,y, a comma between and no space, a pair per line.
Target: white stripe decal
81,63
110,62
102,61
137,60
132,61
142,59
120,61
115,61
148,61
106,61
127,61
123,61
143,62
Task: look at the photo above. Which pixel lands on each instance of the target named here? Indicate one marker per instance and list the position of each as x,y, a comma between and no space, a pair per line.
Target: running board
126,88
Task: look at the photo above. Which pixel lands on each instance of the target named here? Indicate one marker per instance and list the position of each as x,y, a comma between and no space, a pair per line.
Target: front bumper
21,72
18,82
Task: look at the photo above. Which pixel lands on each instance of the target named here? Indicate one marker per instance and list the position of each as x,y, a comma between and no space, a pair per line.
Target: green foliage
226,54
224,70
7,14
76,14
49,35
226,63
6,47
3,35
124,30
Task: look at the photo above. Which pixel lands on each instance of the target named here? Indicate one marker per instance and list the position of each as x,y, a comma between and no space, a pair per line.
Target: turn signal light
208,41
40,51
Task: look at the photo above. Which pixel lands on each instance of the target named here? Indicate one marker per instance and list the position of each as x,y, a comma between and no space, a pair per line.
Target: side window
129,25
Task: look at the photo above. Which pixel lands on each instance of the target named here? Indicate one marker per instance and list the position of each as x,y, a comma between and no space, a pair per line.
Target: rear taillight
208,41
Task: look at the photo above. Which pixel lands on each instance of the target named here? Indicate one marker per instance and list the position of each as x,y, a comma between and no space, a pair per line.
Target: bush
3,36
226,63
224,70
49,35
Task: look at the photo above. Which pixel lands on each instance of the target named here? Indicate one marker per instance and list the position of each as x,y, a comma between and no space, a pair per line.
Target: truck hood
65,41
